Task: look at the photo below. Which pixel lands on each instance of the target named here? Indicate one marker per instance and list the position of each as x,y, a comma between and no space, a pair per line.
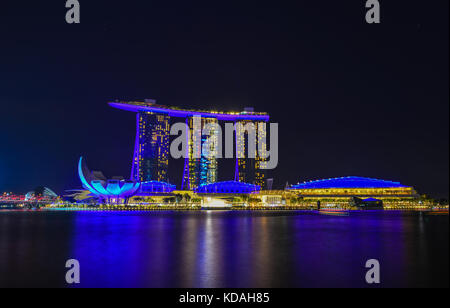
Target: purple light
136,149
106,189
236,167
188,113
186,175
229,187
348,182
155,187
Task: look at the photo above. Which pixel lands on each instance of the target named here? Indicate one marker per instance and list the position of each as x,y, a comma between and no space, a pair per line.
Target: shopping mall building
355,191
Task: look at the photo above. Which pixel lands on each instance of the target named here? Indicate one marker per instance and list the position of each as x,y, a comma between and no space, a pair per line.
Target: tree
443,201
196,200
237,200
169,200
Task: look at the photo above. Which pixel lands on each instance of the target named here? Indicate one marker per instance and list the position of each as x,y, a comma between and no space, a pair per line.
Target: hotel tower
151,152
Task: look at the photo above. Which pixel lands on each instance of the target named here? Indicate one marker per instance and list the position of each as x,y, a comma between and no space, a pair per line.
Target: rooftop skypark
151,106
151,153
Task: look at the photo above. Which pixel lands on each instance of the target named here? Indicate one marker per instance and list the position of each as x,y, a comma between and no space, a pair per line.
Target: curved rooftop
184,113
108,188
229,187
156,187
348,182
46,192
117,187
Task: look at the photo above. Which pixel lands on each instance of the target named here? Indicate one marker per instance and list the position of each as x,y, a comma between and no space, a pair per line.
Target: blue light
108,189
229,187
155,187
189,113
113,187
127,187
97,185
83,179
347,182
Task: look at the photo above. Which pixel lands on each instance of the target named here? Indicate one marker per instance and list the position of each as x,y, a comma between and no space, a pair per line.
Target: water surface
222,249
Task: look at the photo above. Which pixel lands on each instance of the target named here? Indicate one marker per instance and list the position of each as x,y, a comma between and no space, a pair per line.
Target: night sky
350,98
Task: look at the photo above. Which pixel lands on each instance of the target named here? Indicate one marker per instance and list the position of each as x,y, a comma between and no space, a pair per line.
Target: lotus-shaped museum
117,189
98,185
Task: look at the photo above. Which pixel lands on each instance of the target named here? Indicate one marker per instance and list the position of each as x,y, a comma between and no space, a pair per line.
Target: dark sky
350,98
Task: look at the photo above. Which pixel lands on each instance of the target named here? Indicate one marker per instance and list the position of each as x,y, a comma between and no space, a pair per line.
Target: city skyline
202,150
391,124
224,152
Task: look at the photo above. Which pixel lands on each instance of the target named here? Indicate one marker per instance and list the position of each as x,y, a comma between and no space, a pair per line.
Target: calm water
223,249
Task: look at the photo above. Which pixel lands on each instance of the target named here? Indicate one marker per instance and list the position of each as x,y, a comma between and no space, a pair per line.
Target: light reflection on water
222,249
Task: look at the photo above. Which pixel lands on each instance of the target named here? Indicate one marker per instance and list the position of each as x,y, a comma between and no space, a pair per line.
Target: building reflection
247,249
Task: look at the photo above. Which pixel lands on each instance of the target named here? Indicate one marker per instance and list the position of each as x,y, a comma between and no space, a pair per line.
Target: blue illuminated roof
348,182
229,187
371,200
155,187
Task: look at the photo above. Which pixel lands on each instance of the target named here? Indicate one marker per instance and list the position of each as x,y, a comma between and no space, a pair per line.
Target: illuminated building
155,187
149,176
260,162
41,192
201,168
118,190
355,187
251,168
150,161
348,190
245,166
151,154
151,106
228,187
107,190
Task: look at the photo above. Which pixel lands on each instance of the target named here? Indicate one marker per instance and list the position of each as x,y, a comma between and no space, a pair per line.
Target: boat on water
334,212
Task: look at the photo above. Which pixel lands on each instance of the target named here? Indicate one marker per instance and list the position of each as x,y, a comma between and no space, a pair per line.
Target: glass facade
151,156
201,167
250,170
260,161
